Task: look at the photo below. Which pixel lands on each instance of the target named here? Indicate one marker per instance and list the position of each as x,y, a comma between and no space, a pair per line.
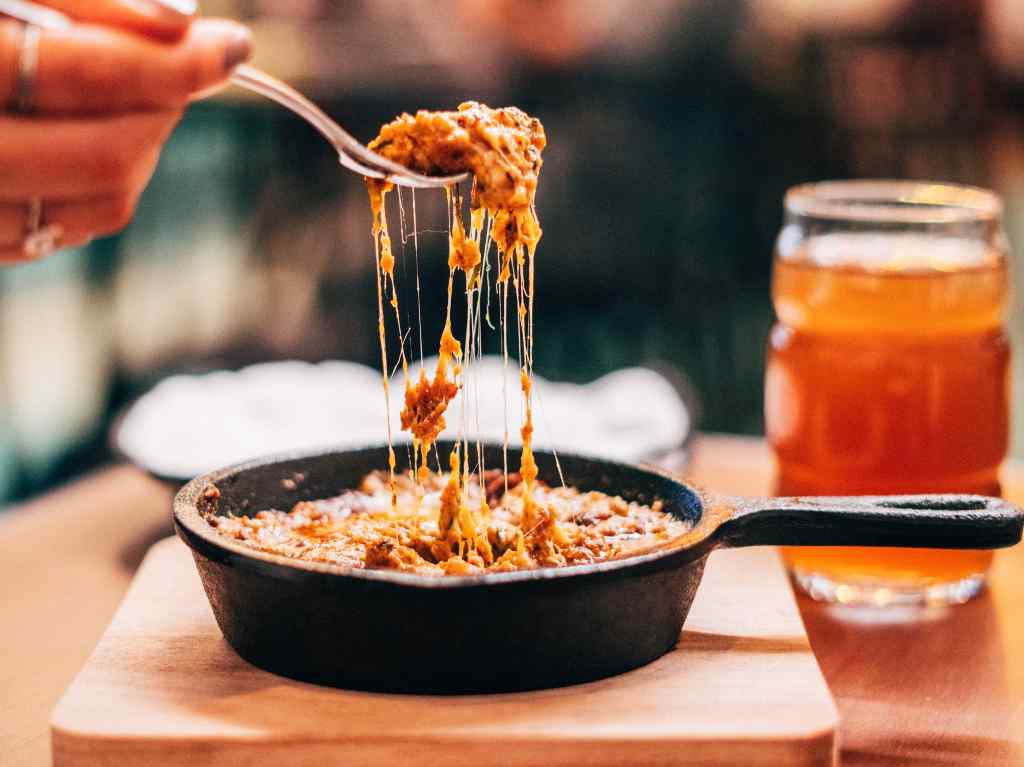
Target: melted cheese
501,149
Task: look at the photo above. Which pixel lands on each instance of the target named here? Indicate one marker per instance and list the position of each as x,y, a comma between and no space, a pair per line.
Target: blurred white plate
191,424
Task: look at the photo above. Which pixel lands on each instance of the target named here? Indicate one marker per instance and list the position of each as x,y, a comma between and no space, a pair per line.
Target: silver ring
40,241
28,68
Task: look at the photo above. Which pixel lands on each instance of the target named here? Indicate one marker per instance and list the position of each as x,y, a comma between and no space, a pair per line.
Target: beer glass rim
890,201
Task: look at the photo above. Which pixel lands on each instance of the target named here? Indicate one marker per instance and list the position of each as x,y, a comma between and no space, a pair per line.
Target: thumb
163,19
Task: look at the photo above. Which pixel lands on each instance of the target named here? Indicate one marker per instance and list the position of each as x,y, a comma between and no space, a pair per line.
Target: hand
107,93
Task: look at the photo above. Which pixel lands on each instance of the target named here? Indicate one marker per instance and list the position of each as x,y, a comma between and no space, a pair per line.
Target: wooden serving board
164,689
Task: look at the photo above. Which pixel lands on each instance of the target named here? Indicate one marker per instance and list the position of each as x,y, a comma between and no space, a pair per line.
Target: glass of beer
887,369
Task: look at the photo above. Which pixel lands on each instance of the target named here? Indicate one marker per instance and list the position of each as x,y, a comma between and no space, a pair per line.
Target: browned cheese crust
361,529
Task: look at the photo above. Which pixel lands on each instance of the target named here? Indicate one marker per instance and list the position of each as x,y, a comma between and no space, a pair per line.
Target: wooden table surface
948,689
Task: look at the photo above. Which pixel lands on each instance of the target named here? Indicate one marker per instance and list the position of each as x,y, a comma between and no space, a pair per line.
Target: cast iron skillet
391,631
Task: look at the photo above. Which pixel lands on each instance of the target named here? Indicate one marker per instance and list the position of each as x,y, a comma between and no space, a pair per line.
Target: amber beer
888,369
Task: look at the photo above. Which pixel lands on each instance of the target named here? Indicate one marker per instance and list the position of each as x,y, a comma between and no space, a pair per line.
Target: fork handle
352,154
258,81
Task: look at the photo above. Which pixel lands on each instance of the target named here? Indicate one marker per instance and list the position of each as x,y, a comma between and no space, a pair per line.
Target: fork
351,153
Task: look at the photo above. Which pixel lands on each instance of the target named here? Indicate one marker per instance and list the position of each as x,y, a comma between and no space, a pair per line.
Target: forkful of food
353,155
89,92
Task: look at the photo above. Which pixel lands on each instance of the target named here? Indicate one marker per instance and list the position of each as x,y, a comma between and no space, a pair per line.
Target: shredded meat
496,483
425,405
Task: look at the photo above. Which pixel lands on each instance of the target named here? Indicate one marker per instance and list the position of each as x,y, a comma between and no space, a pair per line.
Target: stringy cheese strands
382,249
501,149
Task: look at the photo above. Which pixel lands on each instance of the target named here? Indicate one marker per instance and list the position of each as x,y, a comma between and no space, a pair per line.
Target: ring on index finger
39,240
28,68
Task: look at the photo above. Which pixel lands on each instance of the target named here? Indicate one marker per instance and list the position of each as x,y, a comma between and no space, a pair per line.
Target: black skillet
391,631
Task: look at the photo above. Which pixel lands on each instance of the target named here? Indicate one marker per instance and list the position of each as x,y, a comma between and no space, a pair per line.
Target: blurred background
674,127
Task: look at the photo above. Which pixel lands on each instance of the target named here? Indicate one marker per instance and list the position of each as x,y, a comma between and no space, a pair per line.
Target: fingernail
239,49
184,7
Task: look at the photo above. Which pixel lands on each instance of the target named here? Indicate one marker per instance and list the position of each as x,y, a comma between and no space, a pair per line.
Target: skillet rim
193,529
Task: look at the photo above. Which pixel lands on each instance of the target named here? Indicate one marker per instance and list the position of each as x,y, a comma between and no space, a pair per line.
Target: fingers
78,221
75,223
164,19
91,183
96,157
88,69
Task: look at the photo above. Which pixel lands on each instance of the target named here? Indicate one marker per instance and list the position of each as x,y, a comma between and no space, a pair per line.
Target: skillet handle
915,521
